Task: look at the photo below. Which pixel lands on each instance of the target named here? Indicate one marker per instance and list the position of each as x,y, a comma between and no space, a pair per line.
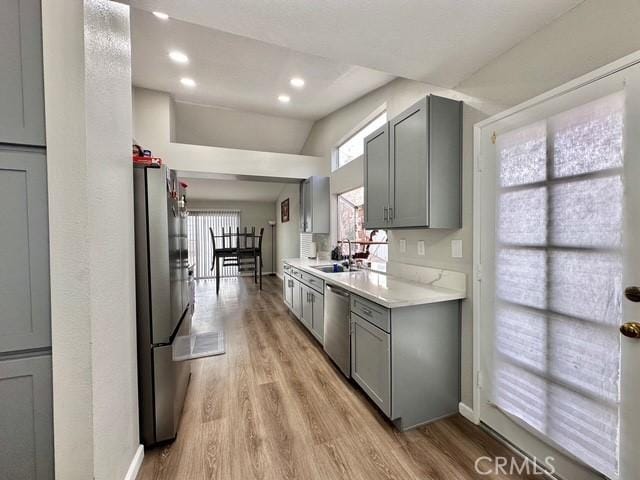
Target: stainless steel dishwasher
337,331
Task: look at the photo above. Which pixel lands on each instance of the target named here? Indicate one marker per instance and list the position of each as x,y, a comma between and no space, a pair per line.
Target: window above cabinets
354,146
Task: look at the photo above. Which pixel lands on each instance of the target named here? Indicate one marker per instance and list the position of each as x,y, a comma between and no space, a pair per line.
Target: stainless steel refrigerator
162,291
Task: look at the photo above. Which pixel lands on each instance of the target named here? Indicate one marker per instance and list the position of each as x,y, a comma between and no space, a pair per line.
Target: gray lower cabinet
412,168
313,312
370,361
21,80
302,294
287,286
307,307
24,251
317,326
407,360
296,302
26,419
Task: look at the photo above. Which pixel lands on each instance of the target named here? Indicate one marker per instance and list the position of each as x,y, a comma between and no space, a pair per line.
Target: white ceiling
241,73
203,189
436,41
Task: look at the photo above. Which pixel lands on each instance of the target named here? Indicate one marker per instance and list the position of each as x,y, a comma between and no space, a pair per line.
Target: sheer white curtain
200,245
559,279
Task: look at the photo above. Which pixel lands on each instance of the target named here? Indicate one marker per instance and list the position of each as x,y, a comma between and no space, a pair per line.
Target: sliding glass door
199,224
559,226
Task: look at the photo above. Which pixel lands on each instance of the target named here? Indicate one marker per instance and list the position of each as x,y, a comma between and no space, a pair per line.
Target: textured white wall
88,114
225,127
589,36
64,82
288,234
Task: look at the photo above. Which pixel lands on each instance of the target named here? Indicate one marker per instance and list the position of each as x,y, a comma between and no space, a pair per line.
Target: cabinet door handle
386,214
312,297
390,213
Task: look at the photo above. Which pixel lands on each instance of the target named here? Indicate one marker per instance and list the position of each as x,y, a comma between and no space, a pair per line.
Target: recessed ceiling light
161,15
297,82
178,57
284,98
188,82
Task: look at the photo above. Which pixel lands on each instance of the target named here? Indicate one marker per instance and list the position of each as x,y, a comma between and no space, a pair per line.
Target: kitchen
423,270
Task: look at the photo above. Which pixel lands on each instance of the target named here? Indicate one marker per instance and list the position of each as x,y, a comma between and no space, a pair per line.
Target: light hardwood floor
275,407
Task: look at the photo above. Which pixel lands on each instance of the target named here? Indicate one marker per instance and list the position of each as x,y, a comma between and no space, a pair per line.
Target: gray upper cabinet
409,162
419,176
26,419
24,256
314,205
376,178
21,81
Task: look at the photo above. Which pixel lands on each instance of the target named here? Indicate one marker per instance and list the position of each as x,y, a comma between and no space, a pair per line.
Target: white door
558,237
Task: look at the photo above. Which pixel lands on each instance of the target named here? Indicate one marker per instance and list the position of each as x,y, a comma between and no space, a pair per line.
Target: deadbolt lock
632,293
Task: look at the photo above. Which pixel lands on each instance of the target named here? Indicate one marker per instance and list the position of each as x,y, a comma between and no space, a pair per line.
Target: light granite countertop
390,291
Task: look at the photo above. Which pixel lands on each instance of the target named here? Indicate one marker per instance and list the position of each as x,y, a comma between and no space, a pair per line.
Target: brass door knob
630,329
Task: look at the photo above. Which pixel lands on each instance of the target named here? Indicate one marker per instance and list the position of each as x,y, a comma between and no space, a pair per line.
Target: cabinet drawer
286,268
295,273
313,282
374,313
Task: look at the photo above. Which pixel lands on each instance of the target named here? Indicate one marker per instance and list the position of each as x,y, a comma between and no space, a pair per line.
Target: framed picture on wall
284,211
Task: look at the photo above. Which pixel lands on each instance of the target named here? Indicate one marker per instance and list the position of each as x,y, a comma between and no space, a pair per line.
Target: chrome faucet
349,258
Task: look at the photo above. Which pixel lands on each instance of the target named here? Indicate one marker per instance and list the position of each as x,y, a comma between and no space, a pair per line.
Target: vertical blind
559,279
200,245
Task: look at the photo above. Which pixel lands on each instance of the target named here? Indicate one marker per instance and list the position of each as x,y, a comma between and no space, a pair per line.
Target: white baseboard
135,465
468,413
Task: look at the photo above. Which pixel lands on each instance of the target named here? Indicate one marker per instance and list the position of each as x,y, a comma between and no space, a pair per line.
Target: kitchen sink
330,269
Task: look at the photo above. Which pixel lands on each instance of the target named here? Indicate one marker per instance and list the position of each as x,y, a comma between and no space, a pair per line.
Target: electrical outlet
421,248
403,245
456,248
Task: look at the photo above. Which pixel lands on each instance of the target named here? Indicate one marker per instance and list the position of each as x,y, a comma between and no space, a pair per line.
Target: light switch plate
403,245
456,248
421,247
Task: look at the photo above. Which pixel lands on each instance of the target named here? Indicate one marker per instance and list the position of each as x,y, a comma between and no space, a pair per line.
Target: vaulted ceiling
435,41
237,72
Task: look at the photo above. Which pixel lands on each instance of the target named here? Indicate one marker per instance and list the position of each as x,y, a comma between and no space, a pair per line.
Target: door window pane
559,279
